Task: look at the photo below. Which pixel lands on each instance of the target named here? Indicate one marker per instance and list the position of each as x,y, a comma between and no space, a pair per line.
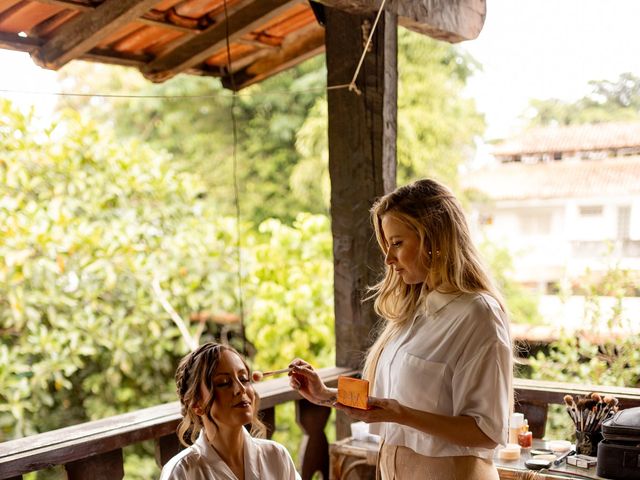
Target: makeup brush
568,400
257,375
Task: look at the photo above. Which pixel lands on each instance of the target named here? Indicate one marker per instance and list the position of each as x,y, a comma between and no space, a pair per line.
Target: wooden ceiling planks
199,48
84,32
166,37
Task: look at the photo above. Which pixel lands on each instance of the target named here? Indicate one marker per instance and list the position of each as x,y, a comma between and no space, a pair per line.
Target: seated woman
218,400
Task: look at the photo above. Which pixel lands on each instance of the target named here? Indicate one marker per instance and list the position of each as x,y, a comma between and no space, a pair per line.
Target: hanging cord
351,86
236,189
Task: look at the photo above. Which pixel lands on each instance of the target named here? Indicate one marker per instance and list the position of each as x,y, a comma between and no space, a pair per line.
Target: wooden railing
94,449
533,397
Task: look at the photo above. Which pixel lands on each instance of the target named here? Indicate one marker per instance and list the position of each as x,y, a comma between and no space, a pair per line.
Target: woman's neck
229,443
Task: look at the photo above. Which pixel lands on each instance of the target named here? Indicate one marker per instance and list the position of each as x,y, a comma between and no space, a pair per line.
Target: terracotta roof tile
564,179
572,138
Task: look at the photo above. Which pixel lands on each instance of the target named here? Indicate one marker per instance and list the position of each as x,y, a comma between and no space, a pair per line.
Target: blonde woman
218,400
440,370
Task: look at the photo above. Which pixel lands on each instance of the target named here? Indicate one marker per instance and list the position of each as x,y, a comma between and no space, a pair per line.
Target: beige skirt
402,463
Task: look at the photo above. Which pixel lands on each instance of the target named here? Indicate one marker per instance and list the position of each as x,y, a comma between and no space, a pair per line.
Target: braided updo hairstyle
197,368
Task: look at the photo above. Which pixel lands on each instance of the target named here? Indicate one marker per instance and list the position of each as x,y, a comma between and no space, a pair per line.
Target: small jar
525,437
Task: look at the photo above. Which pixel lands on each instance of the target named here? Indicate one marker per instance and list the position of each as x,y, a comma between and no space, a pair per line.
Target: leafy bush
86,227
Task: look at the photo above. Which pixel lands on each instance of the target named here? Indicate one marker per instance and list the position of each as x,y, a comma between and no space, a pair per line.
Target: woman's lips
243,404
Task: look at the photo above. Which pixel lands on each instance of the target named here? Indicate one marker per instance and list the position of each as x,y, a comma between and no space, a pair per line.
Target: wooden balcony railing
94,449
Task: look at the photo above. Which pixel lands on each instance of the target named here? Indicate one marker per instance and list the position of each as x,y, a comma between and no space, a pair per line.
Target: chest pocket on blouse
420,382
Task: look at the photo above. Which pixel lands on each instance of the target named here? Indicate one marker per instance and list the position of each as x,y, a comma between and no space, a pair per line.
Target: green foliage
522,305
292,315
604,352
86,224
607,102
196,128
436,124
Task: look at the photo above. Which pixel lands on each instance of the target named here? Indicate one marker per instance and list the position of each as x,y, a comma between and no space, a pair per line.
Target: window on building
624,222
535,222
591,210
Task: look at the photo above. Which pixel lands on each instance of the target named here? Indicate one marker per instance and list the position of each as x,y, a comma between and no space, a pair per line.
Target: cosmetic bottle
525,437
515,425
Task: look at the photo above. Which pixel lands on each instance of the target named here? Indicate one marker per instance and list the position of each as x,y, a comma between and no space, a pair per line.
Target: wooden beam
104,466
441,19
11,41
211,40
362,166
80,35
296,49
161,22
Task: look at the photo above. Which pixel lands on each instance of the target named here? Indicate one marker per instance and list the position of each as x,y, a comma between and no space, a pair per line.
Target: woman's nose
389,259
238,387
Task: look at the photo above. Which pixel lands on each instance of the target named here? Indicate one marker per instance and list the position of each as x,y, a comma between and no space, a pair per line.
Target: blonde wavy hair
432,211
195,369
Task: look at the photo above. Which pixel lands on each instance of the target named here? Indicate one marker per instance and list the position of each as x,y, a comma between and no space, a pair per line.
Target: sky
528,49
549,49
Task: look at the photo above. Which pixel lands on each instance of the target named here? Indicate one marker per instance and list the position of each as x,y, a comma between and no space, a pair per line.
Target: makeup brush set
590,411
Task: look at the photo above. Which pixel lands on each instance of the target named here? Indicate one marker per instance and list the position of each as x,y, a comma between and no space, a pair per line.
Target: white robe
263,460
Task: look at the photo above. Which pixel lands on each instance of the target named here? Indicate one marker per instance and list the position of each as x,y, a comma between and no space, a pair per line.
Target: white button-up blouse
263,460
454,358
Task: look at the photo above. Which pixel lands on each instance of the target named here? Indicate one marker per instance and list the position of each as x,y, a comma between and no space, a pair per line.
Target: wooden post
268,417
314,449
362,166
166,447
105,466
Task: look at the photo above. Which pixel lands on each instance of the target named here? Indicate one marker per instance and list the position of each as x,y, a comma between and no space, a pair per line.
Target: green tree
436,124
607,102
281,126
196,128
87,227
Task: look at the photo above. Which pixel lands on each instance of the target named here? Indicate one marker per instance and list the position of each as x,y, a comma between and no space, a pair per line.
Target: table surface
507,469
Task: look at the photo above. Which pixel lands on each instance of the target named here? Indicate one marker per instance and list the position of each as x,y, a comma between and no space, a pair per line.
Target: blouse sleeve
482,389
289,466
173,472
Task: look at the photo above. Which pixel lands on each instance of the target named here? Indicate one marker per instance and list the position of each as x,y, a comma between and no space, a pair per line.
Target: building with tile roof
566,201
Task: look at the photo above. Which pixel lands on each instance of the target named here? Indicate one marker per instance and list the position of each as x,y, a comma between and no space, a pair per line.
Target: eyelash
396,244
244,380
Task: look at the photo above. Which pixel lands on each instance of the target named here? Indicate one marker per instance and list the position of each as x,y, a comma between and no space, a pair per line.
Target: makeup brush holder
587,442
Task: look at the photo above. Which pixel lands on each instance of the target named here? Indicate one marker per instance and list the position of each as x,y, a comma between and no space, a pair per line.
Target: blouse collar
251,455
437,300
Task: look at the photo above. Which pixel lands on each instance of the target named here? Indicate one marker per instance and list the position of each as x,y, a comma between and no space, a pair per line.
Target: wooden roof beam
294,51
80,35
11,41
211,40
442,19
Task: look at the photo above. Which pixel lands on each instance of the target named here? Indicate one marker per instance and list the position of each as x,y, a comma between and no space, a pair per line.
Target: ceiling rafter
81,34
146,19
306,44
12,41
197,49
